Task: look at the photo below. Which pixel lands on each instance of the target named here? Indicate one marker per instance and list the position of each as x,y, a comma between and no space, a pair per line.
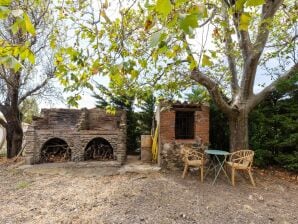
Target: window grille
184,125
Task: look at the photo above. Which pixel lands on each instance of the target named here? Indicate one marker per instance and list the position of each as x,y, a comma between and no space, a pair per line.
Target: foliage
198,94
227,44
146,115
274,127
29,109
138,123
121,47
13,55
167,46
219,129
25,63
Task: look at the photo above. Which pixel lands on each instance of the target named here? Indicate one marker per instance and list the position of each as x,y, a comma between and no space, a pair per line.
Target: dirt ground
158,197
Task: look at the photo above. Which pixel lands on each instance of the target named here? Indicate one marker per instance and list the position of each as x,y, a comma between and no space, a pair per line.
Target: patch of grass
22,185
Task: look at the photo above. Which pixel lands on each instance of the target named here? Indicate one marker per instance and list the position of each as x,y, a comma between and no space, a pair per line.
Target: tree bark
238,125
14,132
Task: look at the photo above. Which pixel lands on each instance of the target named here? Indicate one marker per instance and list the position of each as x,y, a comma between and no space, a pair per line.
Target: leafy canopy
13,55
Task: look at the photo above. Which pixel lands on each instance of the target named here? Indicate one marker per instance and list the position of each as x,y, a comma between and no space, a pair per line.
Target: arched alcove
55,150
98,149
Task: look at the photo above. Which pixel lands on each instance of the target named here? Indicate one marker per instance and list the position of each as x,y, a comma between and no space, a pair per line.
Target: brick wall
77,128
169,146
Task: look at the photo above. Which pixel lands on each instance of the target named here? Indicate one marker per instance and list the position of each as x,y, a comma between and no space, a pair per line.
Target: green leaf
15,27
53,43
239,4
254,2
189,22
163,7
28,25
155,38
192,62
4,12
5,2
24,54
11,62
245,19
206,61
31,57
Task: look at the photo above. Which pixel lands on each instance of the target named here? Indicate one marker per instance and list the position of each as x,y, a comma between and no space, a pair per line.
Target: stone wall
77,128
169,146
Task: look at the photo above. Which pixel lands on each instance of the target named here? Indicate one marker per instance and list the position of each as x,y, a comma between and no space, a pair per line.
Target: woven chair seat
194,162
237,166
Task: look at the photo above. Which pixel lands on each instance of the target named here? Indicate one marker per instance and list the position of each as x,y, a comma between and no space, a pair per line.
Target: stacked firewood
99,151
55,153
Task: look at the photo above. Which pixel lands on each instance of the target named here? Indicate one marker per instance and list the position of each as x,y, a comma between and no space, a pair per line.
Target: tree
137,122
247,37
163,45
117,47
29,109
274,127
111,100
24,34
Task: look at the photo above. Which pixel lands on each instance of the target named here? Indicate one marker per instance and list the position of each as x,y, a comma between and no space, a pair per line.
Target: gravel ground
159,197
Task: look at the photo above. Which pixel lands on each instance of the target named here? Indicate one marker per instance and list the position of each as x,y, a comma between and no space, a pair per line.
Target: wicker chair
192,158
241,160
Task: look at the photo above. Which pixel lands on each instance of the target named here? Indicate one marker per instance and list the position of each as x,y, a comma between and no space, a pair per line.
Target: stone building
180,123
76,135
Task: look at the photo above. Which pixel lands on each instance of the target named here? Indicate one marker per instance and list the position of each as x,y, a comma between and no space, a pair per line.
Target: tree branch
243,37
251,62
213,89
230,56
269,89
268,11
3,123
32,91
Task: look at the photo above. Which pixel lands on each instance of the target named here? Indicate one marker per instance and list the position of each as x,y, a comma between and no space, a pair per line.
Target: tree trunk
238,125
14,132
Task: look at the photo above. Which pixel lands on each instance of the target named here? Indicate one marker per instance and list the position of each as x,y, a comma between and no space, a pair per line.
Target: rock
182,215
248,208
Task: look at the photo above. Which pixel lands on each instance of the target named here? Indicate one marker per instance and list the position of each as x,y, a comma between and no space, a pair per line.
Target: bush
263,157
288,161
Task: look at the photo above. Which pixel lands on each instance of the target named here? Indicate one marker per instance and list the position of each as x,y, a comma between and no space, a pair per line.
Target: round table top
217,152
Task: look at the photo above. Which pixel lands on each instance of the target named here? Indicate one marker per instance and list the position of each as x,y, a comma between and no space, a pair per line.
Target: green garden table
216,163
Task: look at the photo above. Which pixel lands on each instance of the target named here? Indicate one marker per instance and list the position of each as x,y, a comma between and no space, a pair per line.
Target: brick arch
101,147
55,145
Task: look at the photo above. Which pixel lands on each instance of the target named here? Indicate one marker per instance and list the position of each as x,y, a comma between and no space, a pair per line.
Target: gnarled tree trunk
14,135
238,125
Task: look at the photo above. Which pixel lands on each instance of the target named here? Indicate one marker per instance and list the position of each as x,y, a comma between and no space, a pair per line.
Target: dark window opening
184,125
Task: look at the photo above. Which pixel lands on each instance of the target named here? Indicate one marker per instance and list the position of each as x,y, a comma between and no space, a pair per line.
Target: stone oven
180,123
76,135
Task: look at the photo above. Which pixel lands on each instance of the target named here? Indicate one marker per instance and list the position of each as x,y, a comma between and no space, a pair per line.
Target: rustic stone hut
76,135
180,123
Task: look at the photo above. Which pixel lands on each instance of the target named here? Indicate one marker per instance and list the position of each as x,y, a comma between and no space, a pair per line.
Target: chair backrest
189,153
244,157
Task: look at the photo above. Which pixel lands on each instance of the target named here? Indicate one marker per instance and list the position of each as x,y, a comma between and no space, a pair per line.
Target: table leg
221,164
212,166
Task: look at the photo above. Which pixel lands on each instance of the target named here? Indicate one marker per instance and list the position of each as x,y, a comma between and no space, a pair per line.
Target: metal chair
192,158
241,160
